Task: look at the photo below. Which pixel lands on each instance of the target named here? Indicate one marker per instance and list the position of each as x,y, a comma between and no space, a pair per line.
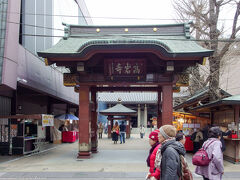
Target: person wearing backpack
168,160
214,170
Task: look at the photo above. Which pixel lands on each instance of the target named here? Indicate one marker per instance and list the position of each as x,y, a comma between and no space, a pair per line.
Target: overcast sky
122,12
141,11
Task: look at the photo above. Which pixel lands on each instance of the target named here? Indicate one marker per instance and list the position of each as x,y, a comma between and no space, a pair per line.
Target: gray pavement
88,175
113,161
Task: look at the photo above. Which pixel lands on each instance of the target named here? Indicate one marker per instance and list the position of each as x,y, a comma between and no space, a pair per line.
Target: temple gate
123,58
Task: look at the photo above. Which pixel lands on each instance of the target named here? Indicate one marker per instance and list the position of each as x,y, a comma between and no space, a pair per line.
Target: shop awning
22,116
232,100
198,96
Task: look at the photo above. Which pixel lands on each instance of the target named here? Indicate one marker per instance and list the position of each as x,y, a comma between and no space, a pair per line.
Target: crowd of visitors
166,159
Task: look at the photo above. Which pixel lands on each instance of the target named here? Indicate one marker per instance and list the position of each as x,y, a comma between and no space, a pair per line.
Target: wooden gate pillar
167,104
84,123
94,127
159,110
128,127
110,121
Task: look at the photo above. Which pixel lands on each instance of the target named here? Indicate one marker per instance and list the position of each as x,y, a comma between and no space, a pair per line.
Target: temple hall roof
118,109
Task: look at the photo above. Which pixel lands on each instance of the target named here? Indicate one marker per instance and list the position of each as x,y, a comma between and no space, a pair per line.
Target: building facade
26,85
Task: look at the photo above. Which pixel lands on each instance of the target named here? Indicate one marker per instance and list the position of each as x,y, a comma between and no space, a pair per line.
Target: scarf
158,158
150,152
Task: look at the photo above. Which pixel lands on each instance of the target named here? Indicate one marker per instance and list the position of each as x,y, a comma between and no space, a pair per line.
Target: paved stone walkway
113,161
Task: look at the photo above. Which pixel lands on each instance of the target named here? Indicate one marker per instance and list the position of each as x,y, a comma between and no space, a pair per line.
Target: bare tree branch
233,35
227,2
205,26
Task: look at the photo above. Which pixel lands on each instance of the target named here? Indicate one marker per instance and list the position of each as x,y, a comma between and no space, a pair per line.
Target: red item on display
188,144
233,136
69,136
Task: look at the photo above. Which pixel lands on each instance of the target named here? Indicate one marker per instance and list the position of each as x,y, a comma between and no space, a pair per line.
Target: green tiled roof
201,94
173,39
232,98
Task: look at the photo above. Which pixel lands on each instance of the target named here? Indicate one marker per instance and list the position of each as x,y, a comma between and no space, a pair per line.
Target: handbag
186,173
117,131
200,158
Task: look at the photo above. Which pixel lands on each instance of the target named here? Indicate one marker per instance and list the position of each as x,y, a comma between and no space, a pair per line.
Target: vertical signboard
47,120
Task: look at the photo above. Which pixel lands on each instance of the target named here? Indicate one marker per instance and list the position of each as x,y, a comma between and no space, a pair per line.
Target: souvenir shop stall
68,125
23,134
225,114
188,123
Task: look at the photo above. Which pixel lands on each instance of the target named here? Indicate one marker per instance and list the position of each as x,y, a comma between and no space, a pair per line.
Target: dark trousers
100,135
205,178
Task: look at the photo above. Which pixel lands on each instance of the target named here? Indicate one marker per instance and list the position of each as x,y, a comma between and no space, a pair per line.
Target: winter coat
170,164
215,168
122,128
100,129
154,171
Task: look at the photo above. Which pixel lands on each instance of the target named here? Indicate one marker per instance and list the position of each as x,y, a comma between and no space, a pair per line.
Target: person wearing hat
153,141
168,156
215,169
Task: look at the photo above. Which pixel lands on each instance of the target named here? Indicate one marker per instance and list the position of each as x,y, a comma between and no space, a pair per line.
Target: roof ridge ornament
187,30
66,31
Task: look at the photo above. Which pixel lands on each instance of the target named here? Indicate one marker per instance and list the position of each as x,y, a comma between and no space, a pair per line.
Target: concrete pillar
145,115
94,127
167,104
109,126
139,116
128,130
84,123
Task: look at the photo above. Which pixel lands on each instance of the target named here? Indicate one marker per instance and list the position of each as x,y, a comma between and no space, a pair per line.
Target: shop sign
197,126
47,120
191,125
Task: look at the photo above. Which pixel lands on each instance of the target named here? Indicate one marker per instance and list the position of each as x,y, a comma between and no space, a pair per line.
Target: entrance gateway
123,58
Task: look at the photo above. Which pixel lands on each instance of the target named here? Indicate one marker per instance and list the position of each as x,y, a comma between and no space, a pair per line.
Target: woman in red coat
153,141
